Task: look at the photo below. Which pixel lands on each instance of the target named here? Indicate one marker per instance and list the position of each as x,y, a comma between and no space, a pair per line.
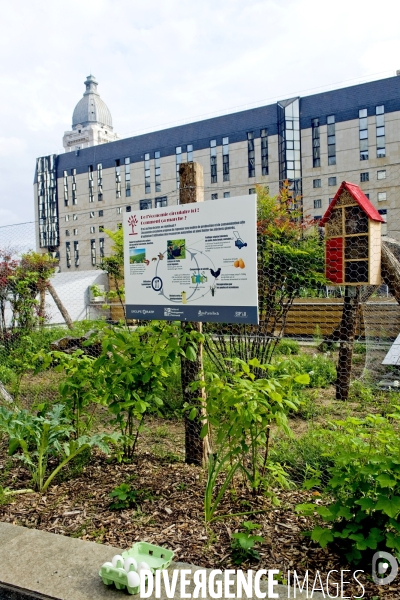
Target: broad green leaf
303,378
390,506
322,535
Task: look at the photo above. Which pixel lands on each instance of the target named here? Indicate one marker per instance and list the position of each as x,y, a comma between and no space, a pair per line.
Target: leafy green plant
131,374
287,347
43,437
242,544
320,368
363,492
241,409
126,497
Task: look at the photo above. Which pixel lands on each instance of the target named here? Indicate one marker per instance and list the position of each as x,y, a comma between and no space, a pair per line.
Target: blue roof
343,103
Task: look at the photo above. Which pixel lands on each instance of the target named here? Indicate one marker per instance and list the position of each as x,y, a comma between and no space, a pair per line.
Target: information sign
193,262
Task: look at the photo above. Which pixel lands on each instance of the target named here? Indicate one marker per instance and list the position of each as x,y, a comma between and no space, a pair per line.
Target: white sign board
193,262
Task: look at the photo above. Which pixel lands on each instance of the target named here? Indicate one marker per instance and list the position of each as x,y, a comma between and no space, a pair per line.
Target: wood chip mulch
170,513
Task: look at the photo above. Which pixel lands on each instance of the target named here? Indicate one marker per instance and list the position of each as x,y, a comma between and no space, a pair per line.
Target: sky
165,62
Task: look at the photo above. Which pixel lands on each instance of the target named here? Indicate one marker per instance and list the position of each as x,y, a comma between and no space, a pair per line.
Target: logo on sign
133,221
241,314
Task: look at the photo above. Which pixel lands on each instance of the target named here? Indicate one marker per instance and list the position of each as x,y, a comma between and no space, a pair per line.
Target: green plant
287,347
126,497
241,409
131,373
43,437
242,544
319,367
363,492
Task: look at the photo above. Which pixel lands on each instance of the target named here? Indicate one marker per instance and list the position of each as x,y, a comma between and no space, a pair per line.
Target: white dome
91,108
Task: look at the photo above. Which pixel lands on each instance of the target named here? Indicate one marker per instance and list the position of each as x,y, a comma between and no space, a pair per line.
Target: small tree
290,260
114,267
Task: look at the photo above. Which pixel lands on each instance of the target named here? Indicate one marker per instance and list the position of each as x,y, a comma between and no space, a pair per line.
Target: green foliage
242,544
363,491
43,437
114,266
78,390
127,497
132,370
320,368
241,410
287,347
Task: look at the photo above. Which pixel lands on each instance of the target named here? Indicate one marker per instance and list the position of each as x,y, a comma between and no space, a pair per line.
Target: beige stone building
315,142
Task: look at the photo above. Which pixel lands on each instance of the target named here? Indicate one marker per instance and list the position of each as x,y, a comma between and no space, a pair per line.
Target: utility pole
191,189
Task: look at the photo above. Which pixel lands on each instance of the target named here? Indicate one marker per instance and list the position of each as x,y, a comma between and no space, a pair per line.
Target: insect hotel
352,238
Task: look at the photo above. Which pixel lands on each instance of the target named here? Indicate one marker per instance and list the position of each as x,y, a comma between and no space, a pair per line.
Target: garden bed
169,511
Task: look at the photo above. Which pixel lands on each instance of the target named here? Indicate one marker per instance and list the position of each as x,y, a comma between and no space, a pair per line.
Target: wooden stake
197,450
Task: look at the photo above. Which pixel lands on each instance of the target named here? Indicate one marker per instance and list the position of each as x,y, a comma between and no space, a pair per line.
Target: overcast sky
164,62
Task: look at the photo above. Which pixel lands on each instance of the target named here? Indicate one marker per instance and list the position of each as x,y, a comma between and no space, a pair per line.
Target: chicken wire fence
295,304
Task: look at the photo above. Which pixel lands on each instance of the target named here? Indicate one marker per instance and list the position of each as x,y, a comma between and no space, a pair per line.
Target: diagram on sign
195,269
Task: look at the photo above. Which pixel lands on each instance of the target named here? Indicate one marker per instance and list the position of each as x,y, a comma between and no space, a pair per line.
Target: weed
242,544
287,347
127,497
161,432
181,487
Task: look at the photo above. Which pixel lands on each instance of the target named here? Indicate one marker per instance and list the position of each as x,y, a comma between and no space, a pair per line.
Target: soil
169,511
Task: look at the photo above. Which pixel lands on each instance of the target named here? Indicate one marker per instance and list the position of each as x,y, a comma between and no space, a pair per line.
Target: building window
68,253
178,154
67,232
75,232
363,123
93,252
74,199
145,204
190,152
157,167
316,143
330,200
66,202
92,214
225,158
119,225
364,176
381,196
91,182
214,196
213,160
160,202
251,155
101,246
227,194
74,217
380,131
127,176
331,180
330,120
117,178
381,174
316,183
100,181
252,191
67,216
317,203
128,208
101,213
264,151
101,228
92,229
383,213
76,253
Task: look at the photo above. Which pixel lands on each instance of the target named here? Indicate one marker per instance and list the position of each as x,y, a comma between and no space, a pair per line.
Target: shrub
319,367
363,491
287,347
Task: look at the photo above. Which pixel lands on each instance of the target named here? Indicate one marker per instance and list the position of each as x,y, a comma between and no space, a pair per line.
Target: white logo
241,314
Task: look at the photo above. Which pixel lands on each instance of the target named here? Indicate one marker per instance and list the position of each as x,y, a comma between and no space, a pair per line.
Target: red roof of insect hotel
359,197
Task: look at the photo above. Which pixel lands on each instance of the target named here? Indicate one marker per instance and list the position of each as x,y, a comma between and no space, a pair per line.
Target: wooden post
191,189
346,337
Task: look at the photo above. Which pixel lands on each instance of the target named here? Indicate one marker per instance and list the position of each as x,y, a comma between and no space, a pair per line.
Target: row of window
317,183
381,197
76,252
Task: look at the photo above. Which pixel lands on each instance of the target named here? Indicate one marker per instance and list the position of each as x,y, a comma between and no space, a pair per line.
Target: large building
315,142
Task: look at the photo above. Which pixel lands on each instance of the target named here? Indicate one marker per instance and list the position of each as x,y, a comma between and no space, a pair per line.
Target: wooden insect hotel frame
352,238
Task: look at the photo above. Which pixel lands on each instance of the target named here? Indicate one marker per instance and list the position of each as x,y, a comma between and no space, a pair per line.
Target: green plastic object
156,557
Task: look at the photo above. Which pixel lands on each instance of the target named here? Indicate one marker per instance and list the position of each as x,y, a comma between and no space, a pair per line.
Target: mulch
169,512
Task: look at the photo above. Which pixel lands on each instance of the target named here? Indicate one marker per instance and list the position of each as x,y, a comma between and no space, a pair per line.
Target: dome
91,109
